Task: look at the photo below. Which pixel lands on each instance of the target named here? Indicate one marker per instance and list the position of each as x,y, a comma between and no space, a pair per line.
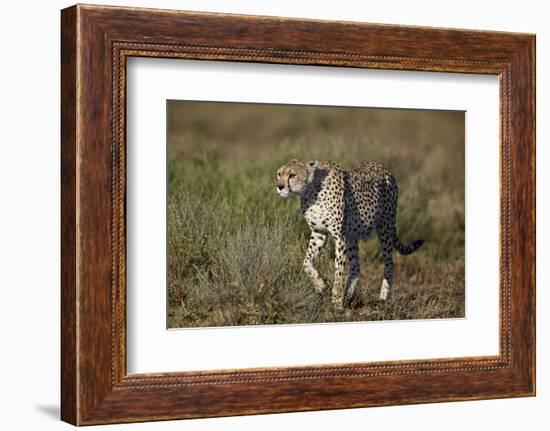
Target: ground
235,248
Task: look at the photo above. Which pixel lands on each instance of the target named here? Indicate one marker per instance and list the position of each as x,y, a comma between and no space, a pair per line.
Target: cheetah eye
291,176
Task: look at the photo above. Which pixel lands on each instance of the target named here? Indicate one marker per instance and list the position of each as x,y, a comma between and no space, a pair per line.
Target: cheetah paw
319,286
385,291
338,303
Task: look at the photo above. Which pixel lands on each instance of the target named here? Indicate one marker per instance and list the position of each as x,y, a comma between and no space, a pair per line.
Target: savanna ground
235,248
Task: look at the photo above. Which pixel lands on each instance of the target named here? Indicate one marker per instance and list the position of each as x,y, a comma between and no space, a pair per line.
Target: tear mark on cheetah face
347,206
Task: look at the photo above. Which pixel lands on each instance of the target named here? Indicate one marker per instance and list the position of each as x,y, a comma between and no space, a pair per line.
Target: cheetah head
294,176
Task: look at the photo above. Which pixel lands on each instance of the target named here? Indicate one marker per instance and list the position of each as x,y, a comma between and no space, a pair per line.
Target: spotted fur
348,206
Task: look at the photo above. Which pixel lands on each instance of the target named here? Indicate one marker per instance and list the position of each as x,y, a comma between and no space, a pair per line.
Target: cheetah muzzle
348,206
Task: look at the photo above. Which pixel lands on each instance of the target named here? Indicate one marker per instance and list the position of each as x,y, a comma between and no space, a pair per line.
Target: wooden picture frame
95,43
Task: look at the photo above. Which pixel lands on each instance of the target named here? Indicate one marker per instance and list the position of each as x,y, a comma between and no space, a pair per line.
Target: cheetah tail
407,249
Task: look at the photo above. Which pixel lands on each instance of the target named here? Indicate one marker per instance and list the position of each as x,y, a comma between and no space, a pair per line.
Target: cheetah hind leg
387,253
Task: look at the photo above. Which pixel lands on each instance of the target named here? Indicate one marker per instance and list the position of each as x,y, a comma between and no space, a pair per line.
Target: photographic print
289,214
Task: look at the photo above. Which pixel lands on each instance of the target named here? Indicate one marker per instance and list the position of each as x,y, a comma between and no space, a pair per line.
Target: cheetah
348,206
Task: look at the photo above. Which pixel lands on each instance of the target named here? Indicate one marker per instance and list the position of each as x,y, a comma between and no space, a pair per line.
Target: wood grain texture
96,41
69,367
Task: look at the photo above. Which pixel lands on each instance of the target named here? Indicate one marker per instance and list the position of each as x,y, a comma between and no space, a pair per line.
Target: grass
235,247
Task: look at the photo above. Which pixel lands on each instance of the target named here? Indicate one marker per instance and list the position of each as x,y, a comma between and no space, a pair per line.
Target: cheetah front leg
339,265
316,242
353,259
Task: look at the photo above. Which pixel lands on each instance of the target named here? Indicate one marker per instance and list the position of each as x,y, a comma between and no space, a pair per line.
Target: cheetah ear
311,168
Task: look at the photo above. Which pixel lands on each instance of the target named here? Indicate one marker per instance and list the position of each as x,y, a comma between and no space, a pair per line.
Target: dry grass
235,247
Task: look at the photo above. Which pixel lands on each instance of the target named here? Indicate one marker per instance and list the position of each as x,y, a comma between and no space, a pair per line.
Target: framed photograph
264,214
